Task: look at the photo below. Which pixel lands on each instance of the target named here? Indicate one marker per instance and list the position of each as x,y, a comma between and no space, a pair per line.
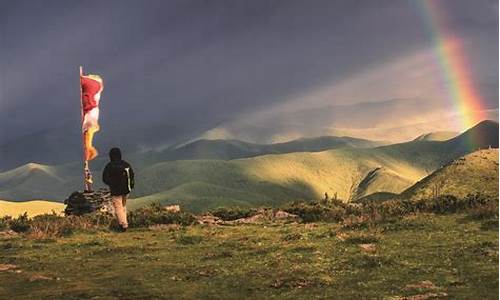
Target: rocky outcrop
262,216
79,203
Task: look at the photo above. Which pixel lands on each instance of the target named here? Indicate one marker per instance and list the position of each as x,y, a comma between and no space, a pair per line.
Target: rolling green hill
270,179
474,173
351,173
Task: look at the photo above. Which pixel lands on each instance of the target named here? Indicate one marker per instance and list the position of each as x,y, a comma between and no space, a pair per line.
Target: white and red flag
92,86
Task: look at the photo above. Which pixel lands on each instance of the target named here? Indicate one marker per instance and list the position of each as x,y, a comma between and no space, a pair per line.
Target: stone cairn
79,203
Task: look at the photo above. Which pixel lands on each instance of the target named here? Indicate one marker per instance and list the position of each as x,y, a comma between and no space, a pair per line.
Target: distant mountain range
390,121
208,174
437,136
395,121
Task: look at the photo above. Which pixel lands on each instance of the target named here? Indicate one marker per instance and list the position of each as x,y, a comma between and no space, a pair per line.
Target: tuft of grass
156,214
186,239
314,211
230,214
361,238
20,224
486,211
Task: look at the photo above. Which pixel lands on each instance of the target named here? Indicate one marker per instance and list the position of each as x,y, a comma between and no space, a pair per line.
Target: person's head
115,154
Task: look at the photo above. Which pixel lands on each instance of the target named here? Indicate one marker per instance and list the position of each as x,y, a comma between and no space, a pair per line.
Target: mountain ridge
276,178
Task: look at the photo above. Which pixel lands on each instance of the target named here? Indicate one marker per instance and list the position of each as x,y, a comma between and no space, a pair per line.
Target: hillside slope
474,173
273,179
32,208
233,149
437,136
266,179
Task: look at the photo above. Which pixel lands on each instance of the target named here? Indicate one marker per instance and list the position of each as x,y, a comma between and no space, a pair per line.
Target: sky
187,66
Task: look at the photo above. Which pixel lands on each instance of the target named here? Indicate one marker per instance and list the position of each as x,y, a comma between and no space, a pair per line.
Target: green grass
457,253
350,173
473,173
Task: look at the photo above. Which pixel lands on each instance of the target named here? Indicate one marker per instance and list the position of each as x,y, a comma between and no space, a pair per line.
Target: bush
314,212
356,222
488,210
155,214
230,214
5,222
21,223
51,225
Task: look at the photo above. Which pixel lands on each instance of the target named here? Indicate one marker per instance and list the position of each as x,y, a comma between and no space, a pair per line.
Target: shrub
488,210
21,223
4,222
155,214
230,214
356,222
51,225
314,212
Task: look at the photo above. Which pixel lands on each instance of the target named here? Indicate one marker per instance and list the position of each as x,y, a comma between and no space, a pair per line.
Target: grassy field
457,254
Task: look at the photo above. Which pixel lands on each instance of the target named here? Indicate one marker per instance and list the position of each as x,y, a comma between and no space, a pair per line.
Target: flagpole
87,176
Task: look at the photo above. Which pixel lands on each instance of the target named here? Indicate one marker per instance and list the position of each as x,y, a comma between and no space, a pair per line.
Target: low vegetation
443,247
359,215
417,255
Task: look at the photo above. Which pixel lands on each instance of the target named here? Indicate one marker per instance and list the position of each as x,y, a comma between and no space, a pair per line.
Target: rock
424,296
209,220
258,218
423,285
368,247
166,227
6,267
79,203
172,208
8,233
278,283
284,215
36,277
311,225
264,215
342,236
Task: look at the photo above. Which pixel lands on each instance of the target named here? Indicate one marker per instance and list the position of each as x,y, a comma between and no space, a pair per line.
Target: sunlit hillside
197,184
32,208
273,179
474,173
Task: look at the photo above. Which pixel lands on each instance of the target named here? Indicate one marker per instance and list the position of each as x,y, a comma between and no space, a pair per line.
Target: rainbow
452,62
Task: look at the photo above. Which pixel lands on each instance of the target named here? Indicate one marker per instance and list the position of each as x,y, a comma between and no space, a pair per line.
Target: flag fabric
92,86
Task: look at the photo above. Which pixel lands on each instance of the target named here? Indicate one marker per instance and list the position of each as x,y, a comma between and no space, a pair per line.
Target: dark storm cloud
185,66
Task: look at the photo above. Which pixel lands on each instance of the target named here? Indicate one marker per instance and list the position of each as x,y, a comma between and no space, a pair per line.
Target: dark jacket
119,176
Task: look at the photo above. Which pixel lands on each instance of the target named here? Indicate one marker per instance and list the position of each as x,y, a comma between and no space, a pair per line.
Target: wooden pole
87,175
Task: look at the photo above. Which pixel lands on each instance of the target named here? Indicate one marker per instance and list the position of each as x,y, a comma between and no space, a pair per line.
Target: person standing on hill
119,176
